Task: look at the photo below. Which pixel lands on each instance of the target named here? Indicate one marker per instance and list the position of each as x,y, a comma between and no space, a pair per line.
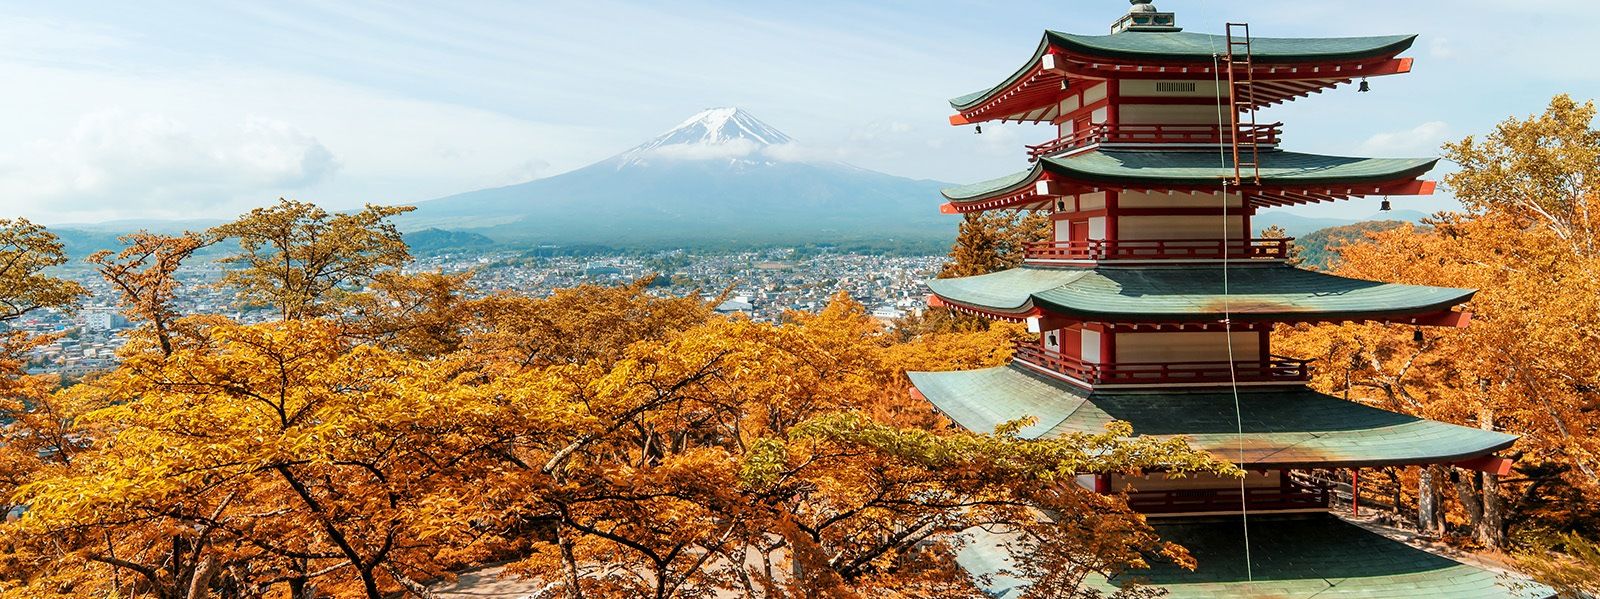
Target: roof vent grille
1175,87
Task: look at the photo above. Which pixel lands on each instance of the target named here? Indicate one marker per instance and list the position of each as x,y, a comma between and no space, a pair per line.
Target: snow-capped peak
722,125
713,133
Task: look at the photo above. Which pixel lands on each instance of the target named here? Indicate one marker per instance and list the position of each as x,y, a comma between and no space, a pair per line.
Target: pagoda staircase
1242,95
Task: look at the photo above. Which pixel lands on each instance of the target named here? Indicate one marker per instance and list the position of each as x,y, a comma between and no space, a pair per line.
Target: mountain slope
719,177
1297,226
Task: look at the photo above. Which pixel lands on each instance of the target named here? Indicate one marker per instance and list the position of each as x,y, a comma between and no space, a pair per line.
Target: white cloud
1422,140
158,163
738,148
800,152
525,172
216,141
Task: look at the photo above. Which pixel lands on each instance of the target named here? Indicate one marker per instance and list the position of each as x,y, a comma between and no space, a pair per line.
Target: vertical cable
1227,308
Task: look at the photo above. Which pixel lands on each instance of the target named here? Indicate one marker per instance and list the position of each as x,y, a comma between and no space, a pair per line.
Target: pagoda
1153,304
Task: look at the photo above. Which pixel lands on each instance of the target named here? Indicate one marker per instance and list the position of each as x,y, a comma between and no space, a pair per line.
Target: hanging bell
1416,335
1365,87
978,130
1385,207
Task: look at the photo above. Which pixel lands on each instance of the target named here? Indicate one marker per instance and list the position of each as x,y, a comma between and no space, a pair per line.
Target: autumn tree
27,252
34,430
422,314
390,428
1542,171
144,274
1525,364
311,453
255,455
995,240
304,261
740,457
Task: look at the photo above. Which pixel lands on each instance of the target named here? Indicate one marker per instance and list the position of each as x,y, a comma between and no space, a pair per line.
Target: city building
1154,305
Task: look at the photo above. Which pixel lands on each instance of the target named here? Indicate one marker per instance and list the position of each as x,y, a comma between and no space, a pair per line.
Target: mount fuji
721,178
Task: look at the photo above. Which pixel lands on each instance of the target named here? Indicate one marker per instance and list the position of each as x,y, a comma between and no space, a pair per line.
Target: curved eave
1291,556
1195,293
1008,292
1126,168
1328,61
1287,178
1029,189
1283,428
967,101
1186,47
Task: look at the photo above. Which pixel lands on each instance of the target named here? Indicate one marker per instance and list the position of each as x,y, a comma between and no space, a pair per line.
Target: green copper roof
1200,47
1290,427
1178,46
1192,292
1201,168
1297,556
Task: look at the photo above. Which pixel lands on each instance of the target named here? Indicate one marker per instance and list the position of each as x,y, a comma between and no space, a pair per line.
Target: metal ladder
1242,95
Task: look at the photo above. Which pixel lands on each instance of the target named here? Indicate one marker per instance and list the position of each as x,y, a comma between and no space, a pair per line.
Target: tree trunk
1469,491
1396,500
200,585
300,588
1429,517
1492,533
1490,530
564,539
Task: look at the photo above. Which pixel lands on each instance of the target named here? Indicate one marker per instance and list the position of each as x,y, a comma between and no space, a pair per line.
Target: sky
192,110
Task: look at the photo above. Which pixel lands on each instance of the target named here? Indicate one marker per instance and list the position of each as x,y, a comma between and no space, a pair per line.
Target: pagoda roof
1283,428
1167,294
1321,177
1181,47
1292,556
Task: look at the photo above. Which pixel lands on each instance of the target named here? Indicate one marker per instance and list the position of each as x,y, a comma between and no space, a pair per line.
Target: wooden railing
1273,369
1161,249
1190,501
1266,134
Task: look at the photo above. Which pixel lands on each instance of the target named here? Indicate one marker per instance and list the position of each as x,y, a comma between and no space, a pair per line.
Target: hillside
1318,249
720,179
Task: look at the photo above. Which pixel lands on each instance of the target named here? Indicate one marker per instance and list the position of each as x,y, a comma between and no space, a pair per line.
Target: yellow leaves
301,259
994,240
27,250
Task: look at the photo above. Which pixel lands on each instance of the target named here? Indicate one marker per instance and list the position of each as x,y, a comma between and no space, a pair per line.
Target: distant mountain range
1299,226
722,178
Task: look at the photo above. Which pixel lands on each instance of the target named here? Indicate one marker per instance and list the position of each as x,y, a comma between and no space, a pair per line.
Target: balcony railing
1266,134
1160,249
1273,369
1190,501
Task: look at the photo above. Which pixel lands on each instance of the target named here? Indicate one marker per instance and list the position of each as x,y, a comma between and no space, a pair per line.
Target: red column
1112,215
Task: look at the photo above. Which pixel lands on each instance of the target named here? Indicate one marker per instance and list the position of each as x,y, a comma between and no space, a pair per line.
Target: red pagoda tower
1154,305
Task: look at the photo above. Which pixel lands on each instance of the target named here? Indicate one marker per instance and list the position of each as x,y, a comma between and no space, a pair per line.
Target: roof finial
1143,16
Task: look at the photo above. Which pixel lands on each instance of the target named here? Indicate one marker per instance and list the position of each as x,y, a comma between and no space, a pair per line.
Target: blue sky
188,110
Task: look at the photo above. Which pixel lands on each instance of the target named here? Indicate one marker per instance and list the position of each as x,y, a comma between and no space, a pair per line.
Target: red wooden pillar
1113,214
1102,484
1108,345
